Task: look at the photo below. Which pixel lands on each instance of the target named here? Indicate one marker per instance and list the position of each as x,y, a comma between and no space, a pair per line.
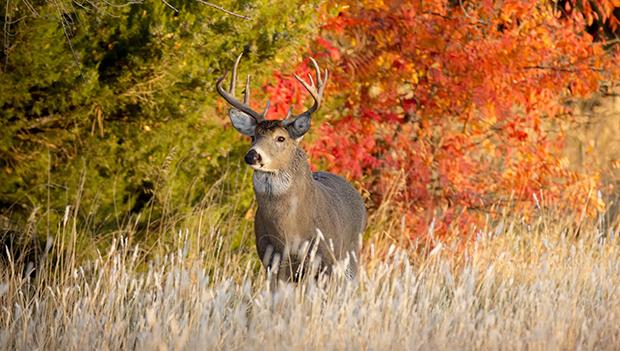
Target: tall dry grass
517,286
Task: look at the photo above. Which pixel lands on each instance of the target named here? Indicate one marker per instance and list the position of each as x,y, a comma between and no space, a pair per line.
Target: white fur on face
271,183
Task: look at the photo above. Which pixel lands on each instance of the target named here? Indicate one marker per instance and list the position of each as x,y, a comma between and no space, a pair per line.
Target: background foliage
455,110
125,211
443,112
113,104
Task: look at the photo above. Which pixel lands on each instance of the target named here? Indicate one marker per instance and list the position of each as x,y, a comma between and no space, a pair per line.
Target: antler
316,91
229,95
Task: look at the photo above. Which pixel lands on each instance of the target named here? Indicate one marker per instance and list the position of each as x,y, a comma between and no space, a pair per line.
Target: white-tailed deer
301,214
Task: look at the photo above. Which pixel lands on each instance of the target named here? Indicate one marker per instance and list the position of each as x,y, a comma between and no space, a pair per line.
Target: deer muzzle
252,157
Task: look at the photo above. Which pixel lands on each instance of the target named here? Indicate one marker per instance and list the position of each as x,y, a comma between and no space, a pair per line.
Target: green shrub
111,109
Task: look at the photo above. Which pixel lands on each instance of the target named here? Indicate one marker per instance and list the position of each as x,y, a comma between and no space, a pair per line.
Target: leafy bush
114,104
454,110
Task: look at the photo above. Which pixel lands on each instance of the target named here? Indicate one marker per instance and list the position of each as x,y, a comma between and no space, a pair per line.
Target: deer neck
286,185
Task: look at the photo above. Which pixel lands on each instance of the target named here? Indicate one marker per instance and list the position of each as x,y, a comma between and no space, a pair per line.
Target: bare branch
563,69
5,47
218,7
168,4
65,27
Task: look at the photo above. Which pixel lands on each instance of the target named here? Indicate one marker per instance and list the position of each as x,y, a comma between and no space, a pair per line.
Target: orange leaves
599,12
440,107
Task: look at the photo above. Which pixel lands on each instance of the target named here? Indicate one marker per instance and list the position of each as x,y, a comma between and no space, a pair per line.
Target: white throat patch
271,183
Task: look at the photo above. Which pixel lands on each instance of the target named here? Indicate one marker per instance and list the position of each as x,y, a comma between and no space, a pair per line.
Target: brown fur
294,204
290,215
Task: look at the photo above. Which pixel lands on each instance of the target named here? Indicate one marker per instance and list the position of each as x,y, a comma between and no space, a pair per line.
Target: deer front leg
275,266
279,270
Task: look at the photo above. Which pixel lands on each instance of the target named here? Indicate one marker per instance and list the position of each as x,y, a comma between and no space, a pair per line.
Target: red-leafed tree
450,108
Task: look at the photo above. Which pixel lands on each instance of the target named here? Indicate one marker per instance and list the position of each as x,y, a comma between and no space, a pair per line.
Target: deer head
274,142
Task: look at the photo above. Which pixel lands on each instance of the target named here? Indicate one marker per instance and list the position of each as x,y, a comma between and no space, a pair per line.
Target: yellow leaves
406,90
546,39
589,18
509,174
375,90
488,146
505,17
490,115
599,205
375,5
249,214
589,147
383,61
475,127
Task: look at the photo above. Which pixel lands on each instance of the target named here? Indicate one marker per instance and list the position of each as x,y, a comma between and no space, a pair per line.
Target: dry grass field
552,283
111,109
535,286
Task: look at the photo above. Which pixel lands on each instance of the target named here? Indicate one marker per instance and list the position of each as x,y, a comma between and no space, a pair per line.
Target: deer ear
298,126
243,123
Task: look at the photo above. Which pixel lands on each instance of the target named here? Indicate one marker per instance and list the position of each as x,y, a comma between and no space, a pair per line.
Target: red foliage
448,108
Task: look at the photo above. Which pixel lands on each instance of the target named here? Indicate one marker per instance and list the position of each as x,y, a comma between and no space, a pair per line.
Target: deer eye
253,138
280,139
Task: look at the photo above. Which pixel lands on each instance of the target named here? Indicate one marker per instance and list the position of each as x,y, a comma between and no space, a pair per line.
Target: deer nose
252,157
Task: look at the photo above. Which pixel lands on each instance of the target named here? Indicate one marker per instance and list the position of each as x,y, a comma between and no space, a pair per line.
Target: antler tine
246,92
325,80
315,90
233,79
317,71
289,114
311,80
229,95
266,108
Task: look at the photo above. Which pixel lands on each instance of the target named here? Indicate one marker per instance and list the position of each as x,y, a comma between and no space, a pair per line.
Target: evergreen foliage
114,104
